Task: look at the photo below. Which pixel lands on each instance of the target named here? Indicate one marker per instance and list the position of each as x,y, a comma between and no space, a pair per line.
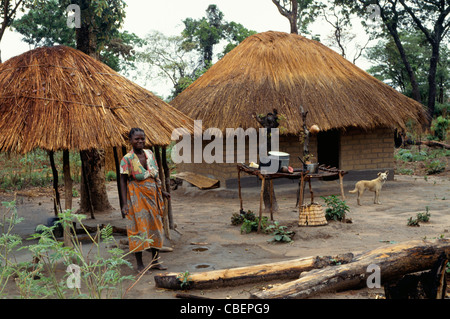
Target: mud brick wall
367,150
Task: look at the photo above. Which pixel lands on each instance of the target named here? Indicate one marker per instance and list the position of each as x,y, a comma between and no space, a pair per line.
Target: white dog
373,186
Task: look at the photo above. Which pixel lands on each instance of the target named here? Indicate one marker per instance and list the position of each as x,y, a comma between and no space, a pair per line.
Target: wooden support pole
239,189
288,269
68,183
393,262
271,198
167,181
341,184
261,199
117,164
56,199
165,219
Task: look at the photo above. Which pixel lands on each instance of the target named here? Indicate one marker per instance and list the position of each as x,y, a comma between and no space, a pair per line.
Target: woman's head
135,130
137,138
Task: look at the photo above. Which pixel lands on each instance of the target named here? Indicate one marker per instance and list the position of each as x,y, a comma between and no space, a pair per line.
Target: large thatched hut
356,112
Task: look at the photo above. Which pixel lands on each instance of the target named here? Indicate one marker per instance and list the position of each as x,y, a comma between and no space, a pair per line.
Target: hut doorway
328,144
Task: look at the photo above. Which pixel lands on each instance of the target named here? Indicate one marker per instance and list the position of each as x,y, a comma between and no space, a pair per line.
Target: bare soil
203,219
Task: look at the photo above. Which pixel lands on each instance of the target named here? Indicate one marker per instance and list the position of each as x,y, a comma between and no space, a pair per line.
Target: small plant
185,278
248,221
337,208
420,217
252,225
280,234
239,218
435,167
413,222
424,217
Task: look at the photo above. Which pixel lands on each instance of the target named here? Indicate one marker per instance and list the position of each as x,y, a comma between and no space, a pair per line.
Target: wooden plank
200,181
289,269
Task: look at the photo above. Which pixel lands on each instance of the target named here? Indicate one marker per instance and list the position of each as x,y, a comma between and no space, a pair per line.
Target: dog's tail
353,191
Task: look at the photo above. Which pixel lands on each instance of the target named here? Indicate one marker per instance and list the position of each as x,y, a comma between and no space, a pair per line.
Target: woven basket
312,215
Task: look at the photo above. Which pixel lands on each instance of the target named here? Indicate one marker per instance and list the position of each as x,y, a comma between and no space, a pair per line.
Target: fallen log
393,261
429,143
243,275
430,284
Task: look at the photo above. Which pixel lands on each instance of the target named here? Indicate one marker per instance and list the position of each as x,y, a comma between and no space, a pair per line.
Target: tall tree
388,66
45,24
205,33
392,19
432,17
300,13
99,19
8,11
182,59
340,19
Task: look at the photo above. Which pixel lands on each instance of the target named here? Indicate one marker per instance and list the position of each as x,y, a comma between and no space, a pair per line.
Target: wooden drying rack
301,174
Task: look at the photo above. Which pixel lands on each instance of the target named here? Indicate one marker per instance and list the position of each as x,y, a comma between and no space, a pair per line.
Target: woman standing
141,194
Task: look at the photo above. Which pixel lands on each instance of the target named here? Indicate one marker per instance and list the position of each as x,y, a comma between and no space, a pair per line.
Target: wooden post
270,198
117,164
167,181
56,199
67,194
341,184
67,180
163,186
301,190
261,199
239,188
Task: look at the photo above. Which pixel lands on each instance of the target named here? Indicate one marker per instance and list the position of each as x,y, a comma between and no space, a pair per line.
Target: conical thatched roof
275,70
60,98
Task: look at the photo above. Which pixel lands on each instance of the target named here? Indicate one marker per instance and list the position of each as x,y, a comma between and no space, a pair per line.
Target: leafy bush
337,208
248,221
100,273
440,127
280,234
435,167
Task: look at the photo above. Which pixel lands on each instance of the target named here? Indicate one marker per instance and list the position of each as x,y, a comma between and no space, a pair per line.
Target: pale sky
144,16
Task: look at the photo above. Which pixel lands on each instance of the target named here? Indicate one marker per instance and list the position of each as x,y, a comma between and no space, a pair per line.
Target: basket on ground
312,215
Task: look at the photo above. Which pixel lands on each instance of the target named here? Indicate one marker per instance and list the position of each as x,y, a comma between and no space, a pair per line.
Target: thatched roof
60,98
275,70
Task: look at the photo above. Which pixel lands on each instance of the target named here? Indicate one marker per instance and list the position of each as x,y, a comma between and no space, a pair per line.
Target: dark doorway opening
328,148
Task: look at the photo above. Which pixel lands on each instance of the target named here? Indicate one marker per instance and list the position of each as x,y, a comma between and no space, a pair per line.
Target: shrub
337,208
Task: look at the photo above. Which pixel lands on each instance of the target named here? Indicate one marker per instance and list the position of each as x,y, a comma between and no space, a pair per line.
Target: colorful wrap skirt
145,213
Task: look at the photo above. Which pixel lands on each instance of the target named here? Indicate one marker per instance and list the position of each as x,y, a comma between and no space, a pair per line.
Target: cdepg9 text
247,308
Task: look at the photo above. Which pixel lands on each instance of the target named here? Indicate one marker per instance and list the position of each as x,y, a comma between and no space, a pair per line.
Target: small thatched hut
58,98
356,112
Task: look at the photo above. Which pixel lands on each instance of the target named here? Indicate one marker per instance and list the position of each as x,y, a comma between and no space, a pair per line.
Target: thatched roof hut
356,112
283,71
58,98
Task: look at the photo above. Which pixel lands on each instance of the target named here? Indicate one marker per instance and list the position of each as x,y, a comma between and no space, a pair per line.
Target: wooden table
301,174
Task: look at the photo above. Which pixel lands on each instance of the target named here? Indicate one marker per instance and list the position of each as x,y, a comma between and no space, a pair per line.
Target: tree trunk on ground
243,275
94,164
394,261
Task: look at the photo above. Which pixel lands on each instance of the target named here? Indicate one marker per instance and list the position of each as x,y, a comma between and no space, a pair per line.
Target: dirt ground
203,219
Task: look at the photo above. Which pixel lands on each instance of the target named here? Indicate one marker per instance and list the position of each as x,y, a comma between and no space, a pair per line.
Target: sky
144,16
